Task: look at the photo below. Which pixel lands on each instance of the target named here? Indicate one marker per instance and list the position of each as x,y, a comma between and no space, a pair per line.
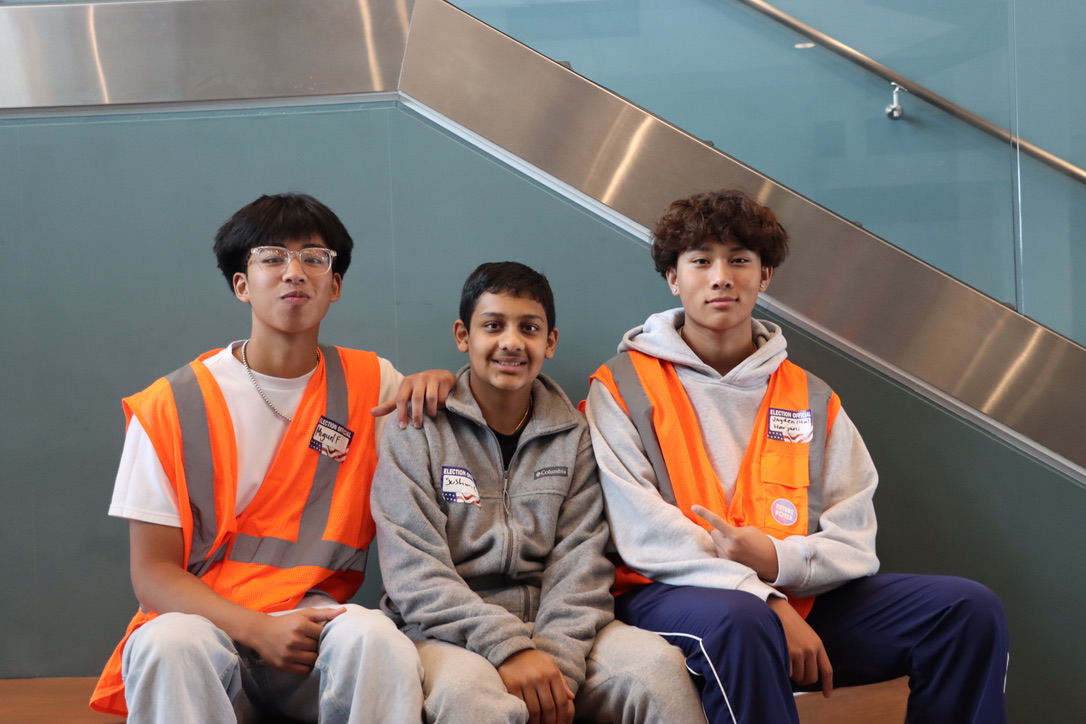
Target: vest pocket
790,471
783,509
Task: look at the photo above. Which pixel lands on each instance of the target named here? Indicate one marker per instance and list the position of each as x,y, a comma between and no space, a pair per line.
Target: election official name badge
790,425
458,486
331,439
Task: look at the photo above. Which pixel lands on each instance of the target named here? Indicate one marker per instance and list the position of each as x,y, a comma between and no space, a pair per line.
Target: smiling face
718,284
290,300
506,342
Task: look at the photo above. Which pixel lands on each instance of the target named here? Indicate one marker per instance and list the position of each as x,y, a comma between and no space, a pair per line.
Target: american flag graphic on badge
331,439
790,425
458,486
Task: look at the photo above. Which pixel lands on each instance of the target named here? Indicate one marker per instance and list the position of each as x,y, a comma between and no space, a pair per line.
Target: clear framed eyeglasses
274,259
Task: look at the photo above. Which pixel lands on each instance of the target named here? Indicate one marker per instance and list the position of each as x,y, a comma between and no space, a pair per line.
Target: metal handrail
933,98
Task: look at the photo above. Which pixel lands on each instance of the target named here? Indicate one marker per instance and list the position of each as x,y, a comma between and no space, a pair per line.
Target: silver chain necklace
252,378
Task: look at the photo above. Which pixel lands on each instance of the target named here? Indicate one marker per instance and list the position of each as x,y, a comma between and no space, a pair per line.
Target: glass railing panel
929,183
1050,66
950,48
1052,265
1014,64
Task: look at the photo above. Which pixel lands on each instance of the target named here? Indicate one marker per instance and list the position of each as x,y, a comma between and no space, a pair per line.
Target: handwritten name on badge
458,486
331,439
790,425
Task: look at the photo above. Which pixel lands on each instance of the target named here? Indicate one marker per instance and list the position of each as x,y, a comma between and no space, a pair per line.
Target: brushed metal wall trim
92,54
904,317
369,100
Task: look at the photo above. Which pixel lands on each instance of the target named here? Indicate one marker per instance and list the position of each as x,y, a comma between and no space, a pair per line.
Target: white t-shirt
143,492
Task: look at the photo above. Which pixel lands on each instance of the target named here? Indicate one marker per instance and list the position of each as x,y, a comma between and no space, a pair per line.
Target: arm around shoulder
418,393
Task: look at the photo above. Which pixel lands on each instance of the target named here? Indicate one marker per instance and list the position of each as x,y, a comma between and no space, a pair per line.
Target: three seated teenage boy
245,477
491,536
246,481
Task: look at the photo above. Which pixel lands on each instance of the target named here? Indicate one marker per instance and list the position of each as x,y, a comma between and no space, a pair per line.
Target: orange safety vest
309,526
779,486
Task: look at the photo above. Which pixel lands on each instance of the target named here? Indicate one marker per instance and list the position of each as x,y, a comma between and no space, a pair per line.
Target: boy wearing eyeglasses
245,478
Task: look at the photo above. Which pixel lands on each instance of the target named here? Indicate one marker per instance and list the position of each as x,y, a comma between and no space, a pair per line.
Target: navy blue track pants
948,635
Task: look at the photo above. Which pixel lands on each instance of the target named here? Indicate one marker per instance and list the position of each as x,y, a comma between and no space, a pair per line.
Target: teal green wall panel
15,521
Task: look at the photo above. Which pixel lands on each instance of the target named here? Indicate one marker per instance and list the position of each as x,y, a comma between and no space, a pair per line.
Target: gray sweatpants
181,669
632,677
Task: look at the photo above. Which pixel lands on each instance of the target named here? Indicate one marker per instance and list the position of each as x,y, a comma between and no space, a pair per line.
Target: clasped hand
290,642
534,677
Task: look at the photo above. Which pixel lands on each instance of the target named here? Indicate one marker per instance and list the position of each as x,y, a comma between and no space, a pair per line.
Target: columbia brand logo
559,471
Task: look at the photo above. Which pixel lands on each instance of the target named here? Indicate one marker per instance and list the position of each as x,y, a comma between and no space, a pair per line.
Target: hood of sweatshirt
659,337
726,406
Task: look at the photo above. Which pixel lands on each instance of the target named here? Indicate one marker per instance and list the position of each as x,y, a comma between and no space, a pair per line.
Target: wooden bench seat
50,701
64,701
872,704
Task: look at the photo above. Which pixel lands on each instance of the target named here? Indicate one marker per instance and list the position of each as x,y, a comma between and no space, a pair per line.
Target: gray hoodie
655,539
495,561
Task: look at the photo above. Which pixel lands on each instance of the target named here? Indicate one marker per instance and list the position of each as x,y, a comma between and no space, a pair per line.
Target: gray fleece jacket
654,537
495,561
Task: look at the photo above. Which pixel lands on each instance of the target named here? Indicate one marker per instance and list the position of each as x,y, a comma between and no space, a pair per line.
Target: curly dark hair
725,215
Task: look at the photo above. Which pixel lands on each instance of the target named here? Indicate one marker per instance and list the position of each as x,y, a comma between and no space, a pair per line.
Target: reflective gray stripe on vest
640,411
199,474
818,399
196,451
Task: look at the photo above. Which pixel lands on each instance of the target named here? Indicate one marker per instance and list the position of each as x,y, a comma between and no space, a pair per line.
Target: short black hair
498,277
726,215
275,220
